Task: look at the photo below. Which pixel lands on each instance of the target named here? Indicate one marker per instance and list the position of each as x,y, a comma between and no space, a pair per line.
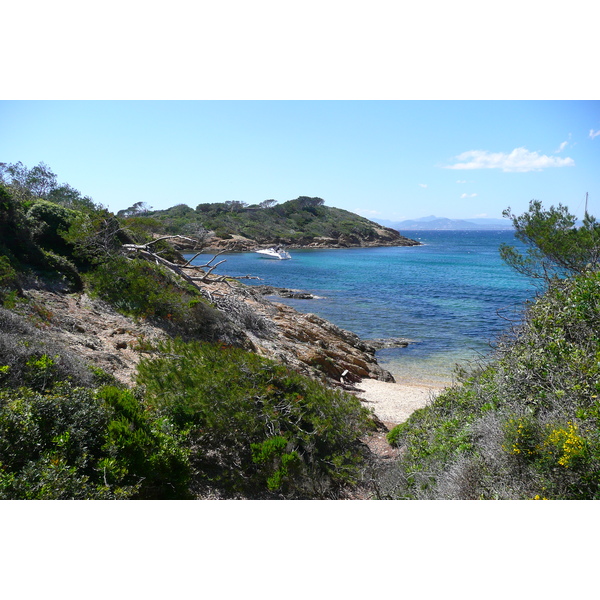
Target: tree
304,202
69,197
267,203
41,182
556,248
96,236
138,209
28,183
235,205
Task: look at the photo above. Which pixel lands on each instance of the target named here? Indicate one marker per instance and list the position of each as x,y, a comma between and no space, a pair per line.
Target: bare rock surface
307,343
95,332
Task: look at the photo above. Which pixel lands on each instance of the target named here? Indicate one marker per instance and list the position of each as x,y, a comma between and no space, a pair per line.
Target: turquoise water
446,296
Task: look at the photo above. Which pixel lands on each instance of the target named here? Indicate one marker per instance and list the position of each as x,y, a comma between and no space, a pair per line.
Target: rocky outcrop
316,347
94,332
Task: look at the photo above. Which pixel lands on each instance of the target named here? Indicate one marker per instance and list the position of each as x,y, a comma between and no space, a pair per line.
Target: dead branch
144,251
171,237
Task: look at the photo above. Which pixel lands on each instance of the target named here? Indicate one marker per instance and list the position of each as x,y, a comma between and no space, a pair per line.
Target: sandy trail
393,403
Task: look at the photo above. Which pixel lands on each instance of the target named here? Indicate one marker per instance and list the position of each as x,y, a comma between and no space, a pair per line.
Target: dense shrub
142,289
47,220
137,288
255,427
9,280
528,425
16,241
31,240
143,450
75,443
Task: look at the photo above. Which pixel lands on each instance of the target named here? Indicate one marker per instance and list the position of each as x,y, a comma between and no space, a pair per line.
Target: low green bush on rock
255,428
145,290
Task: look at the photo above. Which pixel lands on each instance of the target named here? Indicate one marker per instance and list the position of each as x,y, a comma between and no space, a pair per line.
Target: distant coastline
434,223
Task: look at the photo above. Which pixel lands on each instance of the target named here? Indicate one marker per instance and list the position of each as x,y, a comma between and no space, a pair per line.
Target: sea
452,297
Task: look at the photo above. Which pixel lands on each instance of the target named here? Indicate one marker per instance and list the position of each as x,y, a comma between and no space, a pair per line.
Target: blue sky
391,160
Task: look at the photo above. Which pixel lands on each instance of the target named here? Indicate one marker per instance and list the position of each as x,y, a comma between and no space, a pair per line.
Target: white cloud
520,160
423,185
593,133
468,195
461,181
561,147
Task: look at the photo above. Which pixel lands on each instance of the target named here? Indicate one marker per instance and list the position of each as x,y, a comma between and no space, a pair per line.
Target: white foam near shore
394,402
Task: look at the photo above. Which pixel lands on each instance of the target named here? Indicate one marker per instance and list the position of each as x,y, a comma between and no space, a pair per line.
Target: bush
57,268
256,428
142,289
9,280
136,288
143,451
29,356
50,444
15,237
47,220
74,443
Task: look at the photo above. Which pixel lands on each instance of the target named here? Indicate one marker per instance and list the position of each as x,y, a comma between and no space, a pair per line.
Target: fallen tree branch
144,251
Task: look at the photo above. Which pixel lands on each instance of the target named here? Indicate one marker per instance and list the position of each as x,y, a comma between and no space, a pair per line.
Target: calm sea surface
446,296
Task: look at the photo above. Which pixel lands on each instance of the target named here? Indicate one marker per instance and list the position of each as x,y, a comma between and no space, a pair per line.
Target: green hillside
296,222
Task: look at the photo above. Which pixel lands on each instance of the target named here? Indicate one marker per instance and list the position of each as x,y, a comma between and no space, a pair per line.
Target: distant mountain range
432,223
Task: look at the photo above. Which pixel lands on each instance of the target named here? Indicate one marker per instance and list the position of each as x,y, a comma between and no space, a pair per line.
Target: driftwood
146,252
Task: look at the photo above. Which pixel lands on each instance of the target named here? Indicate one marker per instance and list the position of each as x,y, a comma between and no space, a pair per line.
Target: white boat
277,253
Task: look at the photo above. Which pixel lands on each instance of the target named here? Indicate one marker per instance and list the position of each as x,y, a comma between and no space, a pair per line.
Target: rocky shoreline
305,342
237,243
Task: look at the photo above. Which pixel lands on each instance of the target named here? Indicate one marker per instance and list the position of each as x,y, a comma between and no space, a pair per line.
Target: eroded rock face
96,333
305,342
315,346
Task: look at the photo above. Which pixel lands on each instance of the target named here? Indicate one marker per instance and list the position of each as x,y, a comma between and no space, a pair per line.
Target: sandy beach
393,403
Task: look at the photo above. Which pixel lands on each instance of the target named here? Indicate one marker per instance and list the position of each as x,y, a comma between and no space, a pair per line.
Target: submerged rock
381,343
269,290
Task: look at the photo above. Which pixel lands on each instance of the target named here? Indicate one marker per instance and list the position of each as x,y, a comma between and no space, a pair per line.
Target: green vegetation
294,222
203,419
254,425
141,289
78,443
555,247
